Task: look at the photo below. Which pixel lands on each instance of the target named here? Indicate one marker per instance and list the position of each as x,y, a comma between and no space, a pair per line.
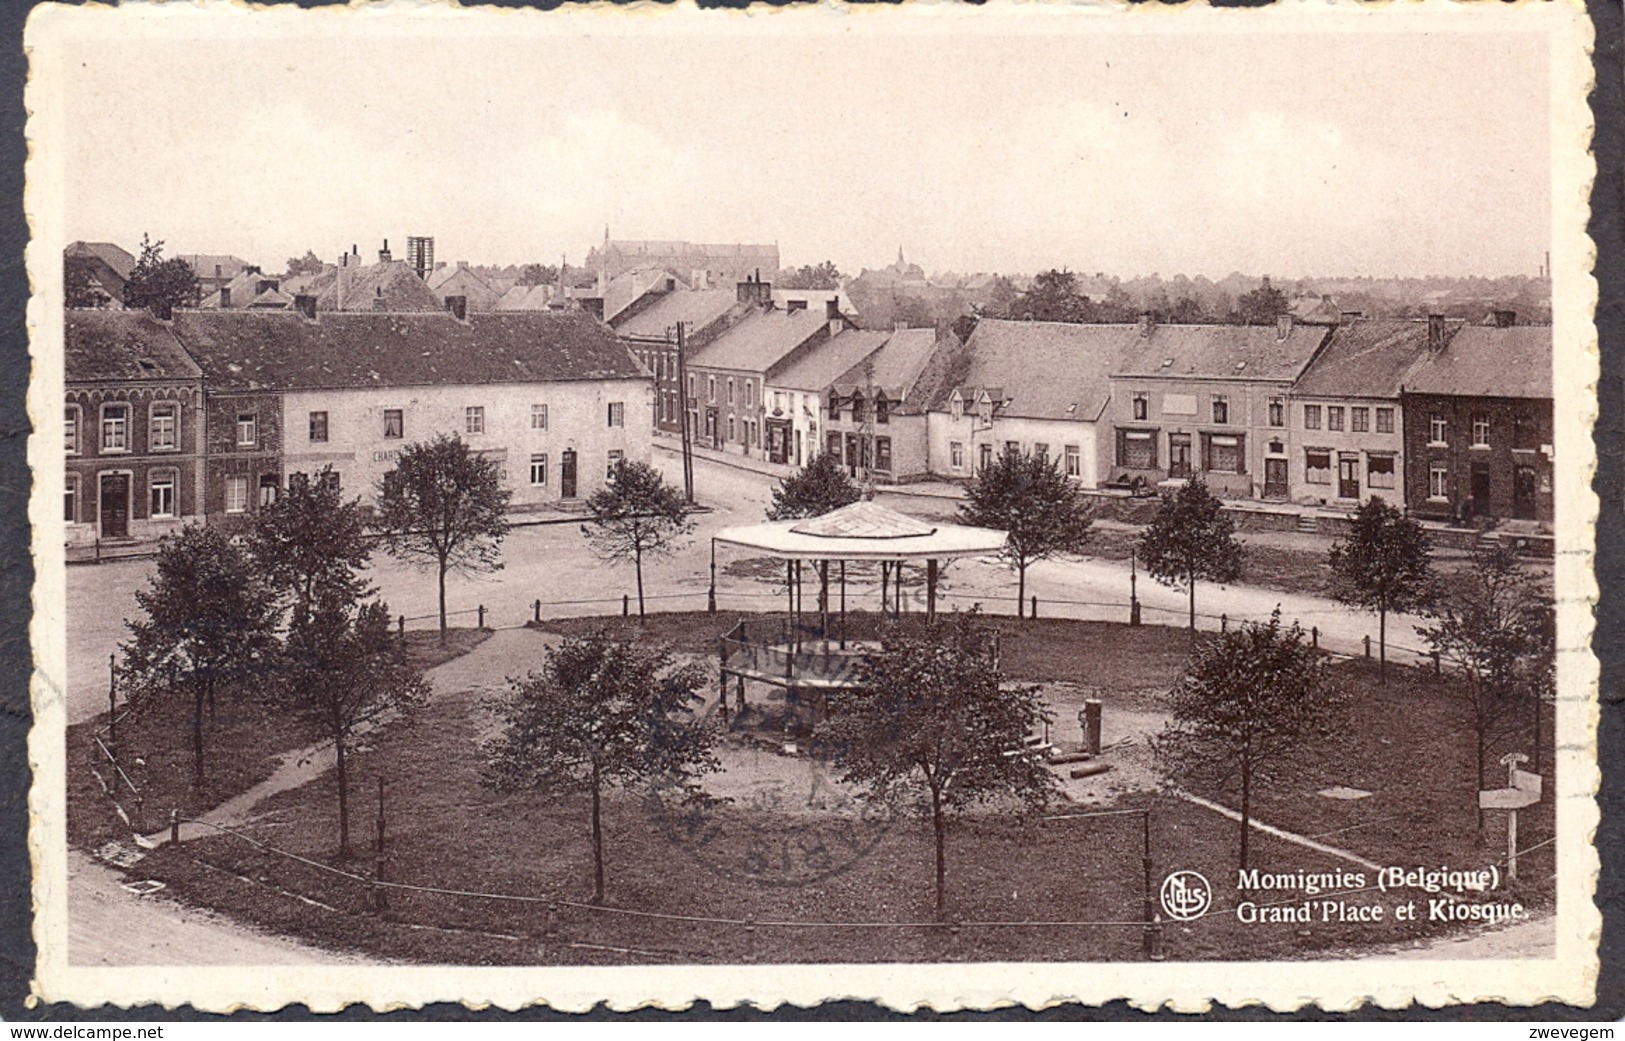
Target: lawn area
242,740
829,884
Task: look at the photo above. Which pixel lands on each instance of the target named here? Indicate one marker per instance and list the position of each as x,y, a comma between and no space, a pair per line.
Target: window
1385,421
1221,409
474,419
750,394
115,428
1277,412
236,495
1224,454
730,390
1438,429
161,494
1359,420
1074,461
833,446
617,413
1481,431
986,459
1041,452
883,454
1379,471
1439,482
835,406
270,486
70,429
318,426
70,500
710,388
162,421
538,469
1142,406
1311,417
1012,448
956,455
882,410
857,408
1137,449
538,417
1334,417
732,430
394,423
1317,467
615,457
248,430
330,480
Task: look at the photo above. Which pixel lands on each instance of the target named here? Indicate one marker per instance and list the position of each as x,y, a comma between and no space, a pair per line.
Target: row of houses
210,414
1453,419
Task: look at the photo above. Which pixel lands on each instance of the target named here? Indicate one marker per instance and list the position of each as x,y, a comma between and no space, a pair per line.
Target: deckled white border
1571,976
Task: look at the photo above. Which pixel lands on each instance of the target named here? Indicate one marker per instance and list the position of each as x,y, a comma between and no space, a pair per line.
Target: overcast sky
1283,153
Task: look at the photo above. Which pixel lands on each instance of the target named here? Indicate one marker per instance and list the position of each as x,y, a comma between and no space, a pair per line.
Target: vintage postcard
950,507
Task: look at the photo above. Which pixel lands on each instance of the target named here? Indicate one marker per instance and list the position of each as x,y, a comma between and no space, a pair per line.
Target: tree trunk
1021,589
940,831
1246,806
344,796
1190,579
442,601
1382,646
197,736
597,842
637,566
1483,726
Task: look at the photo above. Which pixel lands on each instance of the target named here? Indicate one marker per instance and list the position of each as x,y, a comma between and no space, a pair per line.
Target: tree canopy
1043,512
1382,566
636,515
160,285
817,488
311,545
1054,297
538,274
822,275
1261,306
1190,538
79,284
443,505
929,717
603,713
1250,697
309,264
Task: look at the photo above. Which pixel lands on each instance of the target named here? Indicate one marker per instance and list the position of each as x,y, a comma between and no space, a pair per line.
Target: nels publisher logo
1186,895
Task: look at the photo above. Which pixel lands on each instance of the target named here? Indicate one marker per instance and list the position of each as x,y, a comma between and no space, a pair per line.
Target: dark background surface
16,579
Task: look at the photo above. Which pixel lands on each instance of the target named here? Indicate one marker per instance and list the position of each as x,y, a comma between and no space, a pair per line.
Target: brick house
882,401
1478,425
131,428
651,335
798,400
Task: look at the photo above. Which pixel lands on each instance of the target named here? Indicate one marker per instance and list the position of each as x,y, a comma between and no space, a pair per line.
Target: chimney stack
1146,324
832,313
1346,317
458,306
1504,319
383,254
305,304
754,291
225,297
1435,332
1283,326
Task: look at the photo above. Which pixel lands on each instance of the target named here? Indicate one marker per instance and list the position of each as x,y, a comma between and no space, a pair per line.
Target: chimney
1347,317
832,312
898,325
458,306
754,291
1283,326
217,273
1146,324
1435,332
225,297
305,304
1504,319
383,254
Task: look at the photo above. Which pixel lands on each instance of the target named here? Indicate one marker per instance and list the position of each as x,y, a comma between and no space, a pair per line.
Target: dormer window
882,409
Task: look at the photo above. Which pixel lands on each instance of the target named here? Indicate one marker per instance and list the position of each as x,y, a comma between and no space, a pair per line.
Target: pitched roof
1367,358
526,298
285,351
627,288
122,345
896,367
465,282
204,264
695,308
1043,370
1514,362
819,368
114,256
395,283
760,340
1241,352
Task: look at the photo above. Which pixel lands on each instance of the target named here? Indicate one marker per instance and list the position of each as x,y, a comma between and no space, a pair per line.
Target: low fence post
1035,605
1224,623
550,929
1314,636
1368,646
175,826
1438,666
750,939
538,611
1153,940
400,627
626,605
481,610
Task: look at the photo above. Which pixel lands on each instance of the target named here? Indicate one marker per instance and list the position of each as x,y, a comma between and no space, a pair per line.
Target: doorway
1348,477
113,503
567,474
1524,484
1179,455
1274,478
1480,489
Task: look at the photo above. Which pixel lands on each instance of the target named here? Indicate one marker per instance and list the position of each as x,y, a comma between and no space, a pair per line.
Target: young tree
538,274
444,506
1054,297
603,713
927,716
309,264
817,488
1496,627
636,515
209,624
1249,698
347,672
160,285
823,275
1191,538
312,545
1260,306
1382,566
1044,513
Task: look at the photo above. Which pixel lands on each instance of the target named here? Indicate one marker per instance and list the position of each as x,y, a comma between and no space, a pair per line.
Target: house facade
798,398
132,424
875,414
1208,400
1479,427
652,335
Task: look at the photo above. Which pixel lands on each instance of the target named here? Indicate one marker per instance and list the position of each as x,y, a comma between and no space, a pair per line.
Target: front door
1275,478
1524,483
567,474
852,455
114,503
1348,476
1480,489
1179,455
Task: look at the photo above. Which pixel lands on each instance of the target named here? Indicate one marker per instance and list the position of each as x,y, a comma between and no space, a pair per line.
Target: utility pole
683,400
866,433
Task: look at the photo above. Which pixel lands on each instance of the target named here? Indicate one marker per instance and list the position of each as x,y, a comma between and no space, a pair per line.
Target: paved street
551,563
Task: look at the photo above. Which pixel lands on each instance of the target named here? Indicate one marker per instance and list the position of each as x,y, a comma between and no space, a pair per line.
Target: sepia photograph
946,507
